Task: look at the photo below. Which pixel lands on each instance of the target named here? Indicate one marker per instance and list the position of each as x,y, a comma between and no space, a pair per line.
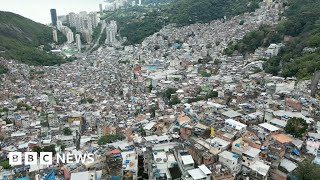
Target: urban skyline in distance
41,14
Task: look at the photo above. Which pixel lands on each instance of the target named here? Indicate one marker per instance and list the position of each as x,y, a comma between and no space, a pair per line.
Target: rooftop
187,159
282,138
252,152
235,124
269,127
197,174
228,155
231,114
260,168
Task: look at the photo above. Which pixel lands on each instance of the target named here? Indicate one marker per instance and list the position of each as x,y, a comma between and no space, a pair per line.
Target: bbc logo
30,158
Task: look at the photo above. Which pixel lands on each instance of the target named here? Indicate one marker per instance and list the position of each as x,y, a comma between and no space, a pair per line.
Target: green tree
103,37
51,148
8,121
96,32
168,92
37,149
176,79
205,74
302,23
150,87
196,99
3,69
109,139
5,164
67,131
307,170
142,131
21,105
152,111
174,100
137,112
212,94
63,147
90,100
208,46
296,126
4,109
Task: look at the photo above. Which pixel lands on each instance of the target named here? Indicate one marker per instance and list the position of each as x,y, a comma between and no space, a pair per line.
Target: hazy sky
39,10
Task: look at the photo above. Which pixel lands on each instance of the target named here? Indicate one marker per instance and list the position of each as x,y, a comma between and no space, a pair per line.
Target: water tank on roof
218,167
235,155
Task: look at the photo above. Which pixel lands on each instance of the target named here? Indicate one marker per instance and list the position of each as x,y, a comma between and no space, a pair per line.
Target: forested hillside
20,39
138,23
184,12
301,28
301,56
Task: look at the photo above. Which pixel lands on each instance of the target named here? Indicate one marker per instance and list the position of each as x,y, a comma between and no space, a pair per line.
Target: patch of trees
307,170
20,38
5,164
254,39
96,32
3,69
301,54
109,139
185,12
303,24
168,92
174,100
67,131
296,126
22,105
103,37
86,100
51,148
209,95
181,12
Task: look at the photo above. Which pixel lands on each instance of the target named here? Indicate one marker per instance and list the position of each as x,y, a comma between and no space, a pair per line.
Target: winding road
103,26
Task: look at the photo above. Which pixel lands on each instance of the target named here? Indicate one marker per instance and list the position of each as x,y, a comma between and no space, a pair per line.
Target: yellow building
73,117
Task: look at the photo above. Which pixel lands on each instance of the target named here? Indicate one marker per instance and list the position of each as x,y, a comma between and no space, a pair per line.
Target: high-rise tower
53,17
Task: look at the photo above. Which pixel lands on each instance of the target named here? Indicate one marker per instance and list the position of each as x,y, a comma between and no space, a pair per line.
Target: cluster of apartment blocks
83,22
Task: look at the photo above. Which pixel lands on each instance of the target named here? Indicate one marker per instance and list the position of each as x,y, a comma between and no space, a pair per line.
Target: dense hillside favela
162,89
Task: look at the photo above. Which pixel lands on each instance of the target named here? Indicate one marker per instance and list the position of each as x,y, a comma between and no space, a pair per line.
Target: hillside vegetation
185,12
301,55
137,23
20,39
3,69
303,24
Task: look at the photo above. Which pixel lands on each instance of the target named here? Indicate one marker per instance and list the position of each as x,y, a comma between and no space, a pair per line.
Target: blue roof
50,176
296,152
235,155
115,178
23,178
